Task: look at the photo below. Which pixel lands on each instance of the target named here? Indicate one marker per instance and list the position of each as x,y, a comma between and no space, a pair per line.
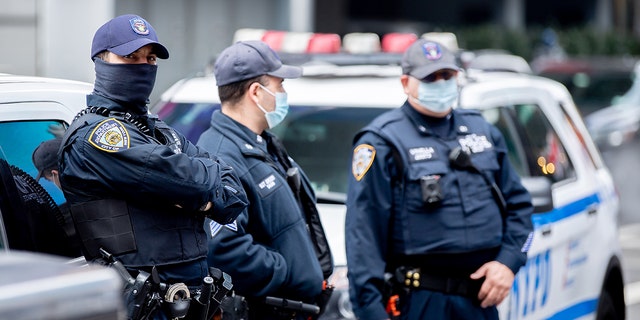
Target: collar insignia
215,227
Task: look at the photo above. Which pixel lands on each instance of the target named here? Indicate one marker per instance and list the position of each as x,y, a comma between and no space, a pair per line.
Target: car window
591,154
21,138
318,138
503,119
534,146
321,141
6,180
190,119
546,147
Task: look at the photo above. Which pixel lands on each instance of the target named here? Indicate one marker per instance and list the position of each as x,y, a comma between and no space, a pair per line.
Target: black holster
103,224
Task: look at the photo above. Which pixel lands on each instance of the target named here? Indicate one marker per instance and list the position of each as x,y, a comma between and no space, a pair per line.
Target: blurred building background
53,37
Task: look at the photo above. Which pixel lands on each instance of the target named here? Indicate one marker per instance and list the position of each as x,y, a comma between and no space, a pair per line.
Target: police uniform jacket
388,223
163,178
267,251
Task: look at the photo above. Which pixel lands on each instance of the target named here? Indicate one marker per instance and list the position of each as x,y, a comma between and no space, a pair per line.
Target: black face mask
128,84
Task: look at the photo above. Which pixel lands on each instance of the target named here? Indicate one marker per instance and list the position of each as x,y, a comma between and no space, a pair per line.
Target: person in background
277,247
438,222
45,159
136,187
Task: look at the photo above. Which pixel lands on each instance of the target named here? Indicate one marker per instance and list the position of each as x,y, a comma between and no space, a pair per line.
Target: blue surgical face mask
438,96
282,108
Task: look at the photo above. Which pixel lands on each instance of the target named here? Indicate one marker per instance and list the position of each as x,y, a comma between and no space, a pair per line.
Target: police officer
277,247
433,203
136,187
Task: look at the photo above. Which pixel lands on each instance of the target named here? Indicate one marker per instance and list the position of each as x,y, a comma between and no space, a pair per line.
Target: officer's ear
252,91
404,80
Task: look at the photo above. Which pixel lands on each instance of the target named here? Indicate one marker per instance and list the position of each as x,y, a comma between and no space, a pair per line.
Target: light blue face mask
282,108
438,96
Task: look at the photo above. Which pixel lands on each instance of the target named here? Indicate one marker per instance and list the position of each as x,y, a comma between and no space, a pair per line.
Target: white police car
573,269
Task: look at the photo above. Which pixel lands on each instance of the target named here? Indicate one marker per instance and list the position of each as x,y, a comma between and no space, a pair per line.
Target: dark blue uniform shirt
267,251
388,223
164,180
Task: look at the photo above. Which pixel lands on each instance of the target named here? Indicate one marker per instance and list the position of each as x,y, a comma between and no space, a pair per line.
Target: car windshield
318,138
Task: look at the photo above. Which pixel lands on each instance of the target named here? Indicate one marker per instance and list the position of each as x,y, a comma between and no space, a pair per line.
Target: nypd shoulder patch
110,135
363,156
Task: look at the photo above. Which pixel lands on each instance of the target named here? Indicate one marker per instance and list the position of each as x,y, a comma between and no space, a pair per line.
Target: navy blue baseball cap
45,156
249,59
125,34
425,57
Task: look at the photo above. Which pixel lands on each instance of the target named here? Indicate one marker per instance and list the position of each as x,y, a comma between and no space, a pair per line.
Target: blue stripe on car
564,212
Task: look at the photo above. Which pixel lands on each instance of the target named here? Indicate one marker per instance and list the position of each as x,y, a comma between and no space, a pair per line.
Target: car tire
607,308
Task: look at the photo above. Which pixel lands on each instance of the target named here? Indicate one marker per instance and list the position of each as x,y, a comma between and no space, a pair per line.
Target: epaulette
475,112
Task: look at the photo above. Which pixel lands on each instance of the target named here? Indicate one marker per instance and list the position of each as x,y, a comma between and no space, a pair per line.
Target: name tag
422,154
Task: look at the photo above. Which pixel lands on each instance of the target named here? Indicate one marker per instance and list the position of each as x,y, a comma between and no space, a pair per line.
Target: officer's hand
230,199
497,283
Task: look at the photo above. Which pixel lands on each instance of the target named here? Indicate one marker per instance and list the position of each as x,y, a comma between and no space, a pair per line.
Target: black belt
462,286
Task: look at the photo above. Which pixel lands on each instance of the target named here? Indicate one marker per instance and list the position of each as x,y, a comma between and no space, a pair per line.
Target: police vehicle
573,269
36,284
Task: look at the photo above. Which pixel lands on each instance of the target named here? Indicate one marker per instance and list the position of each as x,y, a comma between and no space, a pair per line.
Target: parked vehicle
619,122
574,267
594,83
37,285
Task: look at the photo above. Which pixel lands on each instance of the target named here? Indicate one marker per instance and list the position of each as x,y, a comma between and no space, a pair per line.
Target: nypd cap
249,59
424,57
45,156
125,34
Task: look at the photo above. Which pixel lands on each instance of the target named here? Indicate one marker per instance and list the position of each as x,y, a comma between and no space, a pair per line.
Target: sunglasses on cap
445,74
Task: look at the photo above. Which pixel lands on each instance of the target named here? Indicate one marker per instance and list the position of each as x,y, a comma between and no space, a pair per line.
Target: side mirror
540,190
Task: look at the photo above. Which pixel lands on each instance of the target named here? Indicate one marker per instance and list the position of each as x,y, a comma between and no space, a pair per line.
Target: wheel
607,308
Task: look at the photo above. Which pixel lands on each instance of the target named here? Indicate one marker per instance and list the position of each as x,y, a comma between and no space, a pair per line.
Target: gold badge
363,156
110,135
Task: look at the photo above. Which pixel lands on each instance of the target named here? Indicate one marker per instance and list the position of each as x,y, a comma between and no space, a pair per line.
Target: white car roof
321,85
16,91
379,86
478,84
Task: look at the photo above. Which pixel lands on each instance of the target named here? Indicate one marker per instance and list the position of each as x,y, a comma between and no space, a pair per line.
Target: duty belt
413,278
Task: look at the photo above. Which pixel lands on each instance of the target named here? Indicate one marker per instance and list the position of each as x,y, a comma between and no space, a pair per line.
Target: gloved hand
230,199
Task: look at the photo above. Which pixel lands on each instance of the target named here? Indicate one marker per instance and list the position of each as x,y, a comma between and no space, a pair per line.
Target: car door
32,215
557,280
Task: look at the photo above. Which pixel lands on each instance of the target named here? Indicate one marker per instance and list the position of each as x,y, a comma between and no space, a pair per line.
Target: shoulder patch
363,156
110,135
